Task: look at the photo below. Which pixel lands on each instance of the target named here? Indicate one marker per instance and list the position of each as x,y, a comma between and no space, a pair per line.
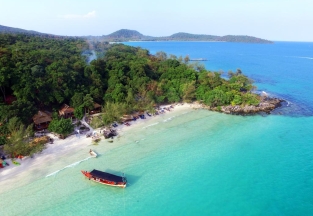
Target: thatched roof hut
42,120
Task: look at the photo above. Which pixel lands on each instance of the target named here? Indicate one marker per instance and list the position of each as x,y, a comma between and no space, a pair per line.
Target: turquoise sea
198,162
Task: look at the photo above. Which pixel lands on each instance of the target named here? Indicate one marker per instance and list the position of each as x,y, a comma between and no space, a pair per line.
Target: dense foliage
44,73
61,126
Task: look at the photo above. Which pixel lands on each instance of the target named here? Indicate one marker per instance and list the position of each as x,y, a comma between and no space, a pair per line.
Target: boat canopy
106,176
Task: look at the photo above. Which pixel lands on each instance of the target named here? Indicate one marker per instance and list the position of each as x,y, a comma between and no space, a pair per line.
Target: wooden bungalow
42,120
66,111
96,109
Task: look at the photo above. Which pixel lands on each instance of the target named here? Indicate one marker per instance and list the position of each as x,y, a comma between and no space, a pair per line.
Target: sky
277,20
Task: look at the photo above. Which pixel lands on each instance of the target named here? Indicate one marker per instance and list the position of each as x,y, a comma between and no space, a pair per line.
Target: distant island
132,35
125,35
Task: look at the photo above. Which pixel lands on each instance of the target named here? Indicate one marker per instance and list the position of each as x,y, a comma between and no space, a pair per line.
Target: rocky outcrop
266,105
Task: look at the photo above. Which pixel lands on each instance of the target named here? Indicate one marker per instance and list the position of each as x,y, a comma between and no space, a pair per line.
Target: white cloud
89,15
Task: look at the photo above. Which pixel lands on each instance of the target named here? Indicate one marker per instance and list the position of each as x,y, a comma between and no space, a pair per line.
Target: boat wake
68,166
306,58
303,57
151,125
51,174
169,119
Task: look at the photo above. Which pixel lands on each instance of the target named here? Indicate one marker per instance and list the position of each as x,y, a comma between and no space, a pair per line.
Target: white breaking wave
288,103
68,166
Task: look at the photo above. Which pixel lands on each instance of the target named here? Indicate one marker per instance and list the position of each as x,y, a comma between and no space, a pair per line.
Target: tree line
44,73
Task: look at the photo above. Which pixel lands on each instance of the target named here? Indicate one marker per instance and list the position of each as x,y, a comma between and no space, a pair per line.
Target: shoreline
63,153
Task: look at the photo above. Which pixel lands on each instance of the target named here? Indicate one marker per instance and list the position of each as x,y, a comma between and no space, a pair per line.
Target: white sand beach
64,153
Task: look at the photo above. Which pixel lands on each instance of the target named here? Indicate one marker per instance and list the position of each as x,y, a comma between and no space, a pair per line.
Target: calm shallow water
200,162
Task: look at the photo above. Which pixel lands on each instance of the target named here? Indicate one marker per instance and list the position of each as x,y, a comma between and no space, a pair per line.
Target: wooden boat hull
103,181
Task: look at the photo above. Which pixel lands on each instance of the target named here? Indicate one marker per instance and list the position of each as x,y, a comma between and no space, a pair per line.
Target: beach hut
96,109
42,120
66,111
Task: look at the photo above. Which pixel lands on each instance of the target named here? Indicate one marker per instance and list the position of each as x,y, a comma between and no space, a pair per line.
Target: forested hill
132,35
11,30
191,37
39,73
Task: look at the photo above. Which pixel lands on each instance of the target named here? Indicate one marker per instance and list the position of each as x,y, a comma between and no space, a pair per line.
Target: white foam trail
151,125
304,57
51,174
72,165
76,163
185,113
169,119
68,166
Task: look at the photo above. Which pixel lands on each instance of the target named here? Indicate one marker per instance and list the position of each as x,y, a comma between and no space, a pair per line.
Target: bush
96,122
61,126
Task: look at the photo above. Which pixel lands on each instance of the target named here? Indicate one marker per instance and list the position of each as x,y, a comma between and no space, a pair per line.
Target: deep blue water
199,162
283,69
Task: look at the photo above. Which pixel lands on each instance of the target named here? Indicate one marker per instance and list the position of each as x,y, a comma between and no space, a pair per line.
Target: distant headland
132,35
125,35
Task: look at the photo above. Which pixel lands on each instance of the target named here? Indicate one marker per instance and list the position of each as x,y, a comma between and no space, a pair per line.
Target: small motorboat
92,153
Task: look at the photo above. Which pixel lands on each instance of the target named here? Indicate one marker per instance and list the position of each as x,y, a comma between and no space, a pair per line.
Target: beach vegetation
61,126
96,122
113,111
21,143
79,112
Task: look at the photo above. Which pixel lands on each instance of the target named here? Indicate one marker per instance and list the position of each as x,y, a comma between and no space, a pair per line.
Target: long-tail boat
106,178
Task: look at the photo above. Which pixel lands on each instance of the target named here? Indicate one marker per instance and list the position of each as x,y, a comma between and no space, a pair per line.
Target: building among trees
66,111
42,120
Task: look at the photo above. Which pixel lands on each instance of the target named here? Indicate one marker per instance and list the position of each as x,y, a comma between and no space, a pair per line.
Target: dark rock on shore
266,105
